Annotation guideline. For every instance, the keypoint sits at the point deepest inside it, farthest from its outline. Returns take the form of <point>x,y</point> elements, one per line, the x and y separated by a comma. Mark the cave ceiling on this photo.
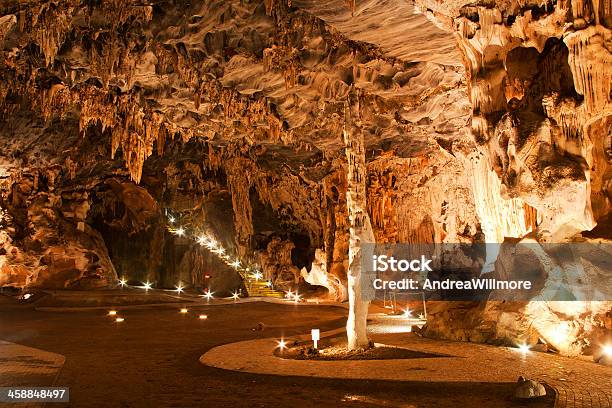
<point>239,75</point>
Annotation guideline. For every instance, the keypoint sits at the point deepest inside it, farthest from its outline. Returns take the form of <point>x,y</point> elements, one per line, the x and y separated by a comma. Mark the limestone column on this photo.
<point>359,220</point>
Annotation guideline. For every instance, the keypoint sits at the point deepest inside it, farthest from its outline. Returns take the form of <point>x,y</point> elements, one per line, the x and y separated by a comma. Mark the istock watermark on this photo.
<point>508,271</point>
<point>383,263</point>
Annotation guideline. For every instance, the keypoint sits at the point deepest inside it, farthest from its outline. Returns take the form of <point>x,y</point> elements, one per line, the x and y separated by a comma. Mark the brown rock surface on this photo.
<point>481,122</point>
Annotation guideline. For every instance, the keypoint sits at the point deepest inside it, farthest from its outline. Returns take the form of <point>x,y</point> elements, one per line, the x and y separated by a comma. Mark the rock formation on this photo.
<point>360,230</point>
<point>540,92</point>
<point>481,121</point>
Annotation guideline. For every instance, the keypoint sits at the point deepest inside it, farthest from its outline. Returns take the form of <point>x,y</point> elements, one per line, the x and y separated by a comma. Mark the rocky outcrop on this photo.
<point>541,111</point>
<point>47,242</point>
<point>541,105</point>
<point>277,266</point>
<point>319,276</point>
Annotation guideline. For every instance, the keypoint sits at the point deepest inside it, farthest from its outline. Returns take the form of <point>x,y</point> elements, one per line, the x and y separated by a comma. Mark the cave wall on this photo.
<point>72,217</point>
<point>539,83</point>
<point>540,94</point>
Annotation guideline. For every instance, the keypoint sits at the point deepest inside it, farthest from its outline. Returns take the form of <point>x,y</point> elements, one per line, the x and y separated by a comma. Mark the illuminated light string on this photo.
<point>209,242</point>
<point>289,295</point>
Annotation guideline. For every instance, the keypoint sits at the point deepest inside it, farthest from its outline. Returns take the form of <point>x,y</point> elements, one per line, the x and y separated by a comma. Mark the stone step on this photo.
<point>256,293</point>
<point>260,288</point>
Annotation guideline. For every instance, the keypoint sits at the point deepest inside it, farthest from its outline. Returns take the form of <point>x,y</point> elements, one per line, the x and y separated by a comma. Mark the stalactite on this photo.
<point>592,11</point>
<point>250,111</point>
<point>567,114</point>
<point>381,202</point>
<point>351,5</point>
<point>285,60</point>
<point>105,64</point>
<point>588,56</point>
<point>56,100</point>
<point>71,167</point>
<point>49,26</point>
<point>277,8</point>
<point>114,53</point>
<point>269,6</point>
<point>133,128</point>
<point>162,135</point>
<point>95,108</point>
<point>499,217</point>
<point>118,12</point>
<point>7,23</point>
<point>239,171</point>
<point>275,126</point>
<point>290,75</point>
<point>215,159</point>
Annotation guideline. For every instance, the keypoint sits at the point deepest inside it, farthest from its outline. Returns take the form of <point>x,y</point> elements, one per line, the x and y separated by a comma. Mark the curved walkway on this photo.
<point>578,382</point>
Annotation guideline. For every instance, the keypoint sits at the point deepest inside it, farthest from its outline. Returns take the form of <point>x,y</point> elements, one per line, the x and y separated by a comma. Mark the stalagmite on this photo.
<point>360,227</point>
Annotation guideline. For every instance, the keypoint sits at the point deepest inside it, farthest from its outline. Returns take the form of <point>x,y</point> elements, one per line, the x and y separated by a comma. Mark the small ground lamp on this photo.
<point>316,336</point>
